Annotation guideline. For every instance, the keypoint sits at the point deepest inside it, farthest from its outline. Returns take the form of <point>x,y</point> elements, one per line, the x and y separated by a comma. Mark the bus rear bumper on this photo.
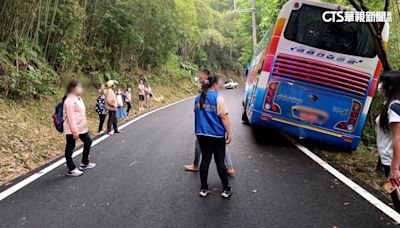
<point>337,139</point>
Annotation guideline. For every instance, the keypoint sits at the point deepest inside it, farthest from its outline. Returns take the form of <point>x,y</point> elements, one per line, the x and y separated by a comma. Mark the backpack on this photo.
<point>58,118</point>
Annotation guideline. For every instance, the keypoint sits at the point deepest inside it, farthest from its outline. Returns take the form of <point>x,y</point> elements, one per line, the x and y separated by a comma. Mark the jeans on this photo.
<point>112,121</point>
<point>197,156</point>
<point>393,195</point>
<point>212,146</point>
<point>69,149</point>
<point>102,120</point>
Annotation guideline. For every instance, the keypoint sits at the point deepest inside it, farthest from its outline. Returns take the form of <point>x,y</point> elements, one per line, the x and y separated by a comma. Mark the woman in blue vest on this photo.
<point>213,131</point>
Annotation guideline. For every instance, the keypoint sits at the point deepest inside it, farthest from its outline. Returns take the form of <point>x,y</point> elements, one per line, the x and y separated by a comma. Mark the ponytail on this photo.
<point>211,80</point>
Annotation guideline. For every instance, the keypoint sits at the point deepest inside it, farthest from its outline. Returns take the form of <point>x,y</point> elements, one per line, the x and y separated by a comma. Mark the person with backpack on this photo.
<point>75,127</point>
<point>101,109</point>
<point>111,106</point>
<point>213,131</point>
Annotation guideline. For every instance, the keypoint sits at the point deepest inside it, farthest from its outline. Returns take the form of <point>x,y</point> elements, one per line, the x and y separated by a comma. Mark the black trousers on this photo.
<point>69,149</point>
<point>102,118</point>
<point>129,107</point>
<point>393,195</point>
<point>212,146</point>
<point>112,121</point>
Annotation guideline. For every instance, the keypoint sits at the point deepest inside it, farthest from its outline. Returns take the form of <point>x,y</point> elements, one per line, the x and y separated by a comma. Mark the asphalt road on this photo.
<point>139,182</point>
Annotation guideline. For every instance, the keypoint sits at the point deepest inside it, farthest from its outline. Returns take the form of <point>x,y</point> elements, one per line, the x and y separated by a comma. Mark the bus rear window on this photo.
<point>306,26</point>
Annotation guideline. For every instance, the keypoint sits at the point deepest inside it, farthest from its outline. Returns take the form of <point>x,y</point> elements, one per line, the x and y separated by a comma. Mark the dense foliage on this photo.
<point>43,40</point>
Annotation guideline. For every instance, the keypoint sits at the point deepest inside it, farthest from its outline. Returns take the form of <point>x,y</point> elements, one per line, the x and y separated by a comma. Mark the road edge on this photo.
<point>386,209</point>
<point>56,163</point>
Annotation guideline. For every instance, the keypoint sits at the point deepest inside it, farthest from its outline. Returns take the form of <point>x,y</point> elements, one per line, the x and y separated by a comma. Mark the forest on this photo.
<point>44,43</point>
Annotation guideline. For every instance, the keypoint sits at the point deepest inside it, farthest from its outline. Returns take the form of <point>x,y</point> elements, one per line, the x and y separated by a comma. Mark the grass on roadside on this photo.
<point>361,163</point>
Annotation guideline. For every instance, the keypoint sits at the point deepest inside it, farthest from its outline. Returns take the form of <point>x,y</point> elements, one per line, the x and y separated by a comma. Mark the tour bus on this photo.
<point>313,79</point>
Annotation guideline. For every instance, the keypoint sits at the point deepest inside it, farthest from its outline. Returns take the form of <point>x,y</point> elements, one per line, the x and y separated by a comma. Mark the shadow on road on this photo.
<point>268,137</point>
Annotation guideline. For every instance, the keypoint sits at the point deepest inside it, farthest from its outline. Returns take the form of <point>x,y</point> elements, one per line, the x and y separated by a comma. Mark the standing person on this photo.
<point>194,167</point>
<point>75,127</point>
<point>149,94</point>
<point>101,109</point>
<point>120,103</point>
<point>213,131</point>
<point>141,94</point>
<point>128,100</point>
<point>388,130</point>
<point>111,106</point>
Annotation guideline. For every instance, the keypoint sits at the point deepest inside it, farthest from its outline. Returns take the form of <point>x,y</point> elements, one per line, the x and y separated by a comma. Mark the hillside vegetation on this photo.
<point>45,43</point>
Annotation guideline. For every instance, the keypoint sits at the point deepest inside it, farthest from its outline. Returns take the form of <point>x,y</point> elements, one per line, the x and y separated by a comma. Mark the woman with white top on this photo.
<point>120,102</point>
<point>388,130</point>
<point>141,94</point>
<point>149,94</point>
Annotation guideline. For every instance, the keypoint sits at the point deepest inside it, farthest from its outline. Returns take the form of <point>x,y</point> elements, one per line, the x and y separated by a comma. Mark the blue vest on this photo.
<point>207,121</point>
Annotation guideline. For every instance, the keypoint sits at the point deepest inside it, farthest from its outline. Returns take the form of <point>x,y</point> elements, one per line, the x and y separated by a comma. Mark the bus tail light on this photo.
<point>296,5</point>
<point>350,124</point>
<point>269,104</point>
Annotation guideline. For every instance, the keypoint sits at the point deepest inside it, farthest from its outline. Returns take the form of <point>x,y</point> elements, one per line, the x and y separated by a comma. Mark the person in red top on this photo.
<point>75,127</point>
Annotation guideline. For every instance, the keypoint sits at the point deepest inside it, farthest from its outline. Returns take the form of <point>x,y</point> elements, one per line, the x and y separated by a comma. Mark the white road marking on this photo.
<point>9,191</point>
<point>351,184</point>
<point>133,163</point>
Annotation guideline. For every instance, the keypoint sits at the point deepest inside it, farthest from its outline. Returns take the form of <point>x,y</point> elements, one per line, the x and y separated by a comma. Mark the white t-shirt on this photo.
<point>384,141</point>
<point>119,100</point>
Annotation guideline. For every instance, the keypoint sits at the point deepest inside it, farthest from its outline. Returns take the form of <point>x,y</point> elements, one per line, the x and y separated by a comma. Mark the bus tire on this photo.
<point>245,119</point>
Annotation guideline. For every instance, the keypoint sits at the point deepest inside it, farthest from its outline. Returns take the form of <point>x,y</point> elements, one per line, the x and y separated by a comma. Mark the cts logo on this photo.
<point>333,16</point>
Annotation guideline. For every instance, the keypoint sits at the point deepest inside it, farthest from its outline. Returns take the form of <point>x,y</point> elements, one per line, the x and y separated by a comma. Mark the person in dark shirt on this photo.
<point>101,109</point>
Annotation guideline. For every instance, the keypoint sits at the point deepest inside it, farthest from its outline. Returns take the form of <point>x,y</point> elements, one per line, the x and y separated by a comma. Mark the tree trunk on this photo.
<point>376,32</point>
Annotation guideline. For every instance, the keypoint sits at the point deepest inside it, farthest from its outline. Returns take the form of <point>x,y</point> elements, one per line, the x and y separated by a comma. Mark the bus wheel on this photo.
<point>244,117</point>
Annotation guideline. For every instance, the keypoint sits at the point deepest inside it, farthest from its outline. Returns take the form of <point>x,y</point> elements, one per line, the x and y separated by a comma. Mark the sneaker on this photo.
<point>74,173</point>
<point>230,171</point>
<point>204,192</point>
<point>191,168</point>
<point>110,133</point>
<point>83,167</point>
<point>226,193</point>
<point>117,132</point>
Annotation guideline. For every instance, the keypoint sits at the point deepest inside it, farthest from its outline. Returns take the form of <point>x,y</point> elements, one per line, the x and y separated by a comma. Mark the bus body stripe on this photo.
<point>374,82</point>
<point>378,69</point>
<point>280,23</point>
<point>367,105</point>
<point>273,44</point>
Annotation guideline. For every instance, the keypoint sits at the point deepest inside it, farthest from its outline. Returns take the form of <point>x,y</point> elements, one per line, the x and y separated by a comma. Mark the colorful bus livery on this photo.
<point>313,79</point>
